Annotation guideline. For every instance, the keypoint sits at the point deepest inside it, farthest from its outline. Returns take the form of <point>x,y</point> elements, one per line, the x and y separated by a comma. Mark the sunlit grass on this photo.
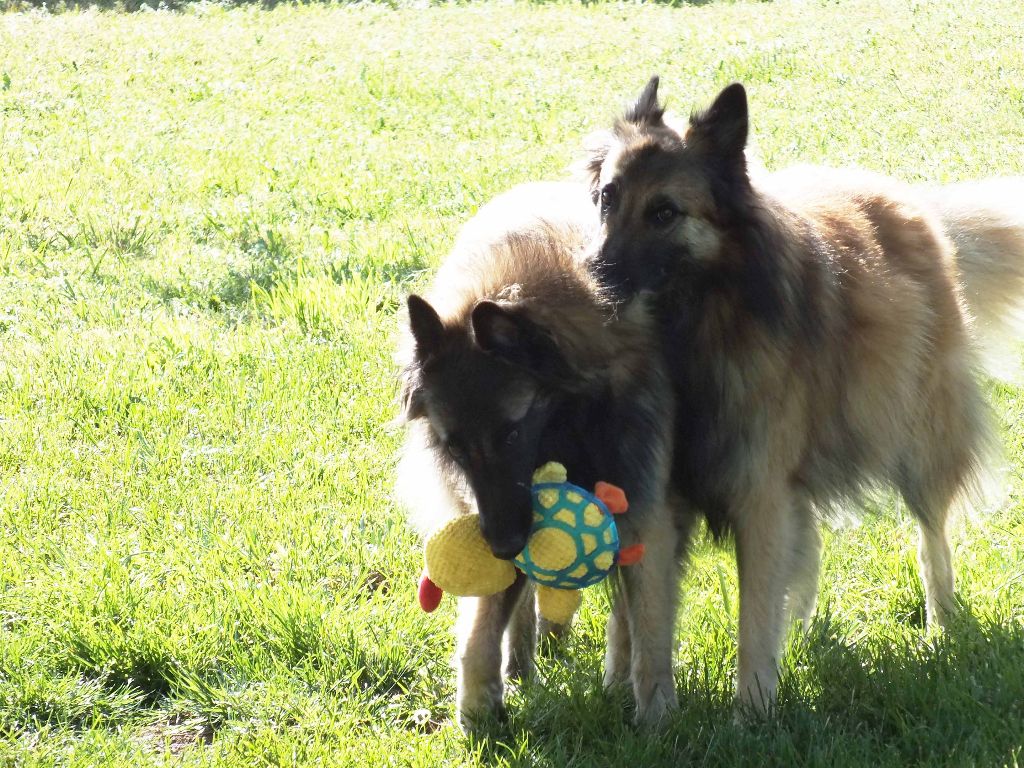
<point>207,223</point>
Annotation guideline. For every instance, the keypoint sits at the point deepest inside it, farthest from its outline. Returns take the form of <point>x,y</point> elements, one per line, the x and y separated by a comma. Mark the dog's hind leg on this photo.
<point>479,630</point>
<point>929,503</point>
<point>946,452</point>
<point>930,506</point>
<point>936,563</point>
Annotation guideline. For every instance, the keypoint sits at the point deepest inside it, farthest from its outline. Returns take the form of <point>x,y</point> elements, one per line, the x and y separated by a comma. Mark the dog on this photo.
<point>818,329</point>
<point>513,359</point>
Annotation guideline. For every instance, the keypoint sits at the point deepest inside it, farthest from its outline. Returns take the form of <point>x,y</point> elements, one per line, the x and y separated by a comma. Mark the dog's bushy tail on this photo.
<point>985,221</point>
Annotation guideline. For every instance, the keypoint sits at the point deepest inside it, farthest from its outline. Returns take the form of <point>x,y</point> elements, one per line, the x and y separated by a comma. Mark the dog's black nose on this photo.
<point>507,550</point>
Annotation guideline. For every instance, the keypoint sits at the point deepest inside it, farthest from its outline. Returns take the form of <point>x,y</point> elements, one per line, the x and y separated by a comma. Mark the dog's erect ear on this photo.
<point>428,332</point>
<point>410,393</point>
<point>722,128</point>
<point>646,110</point>
<point>508,333</point>
<point>497,329</point>
<point>597,146</point>
<point>426,326</point>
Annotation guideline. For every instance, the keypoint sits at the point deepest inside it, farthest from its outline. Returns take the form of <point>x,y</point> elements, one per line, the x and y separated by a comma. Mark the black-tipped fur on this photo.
<point>516,361</point>
<point>814,327</point>
<point>723,126</point>
<point>647,110</point>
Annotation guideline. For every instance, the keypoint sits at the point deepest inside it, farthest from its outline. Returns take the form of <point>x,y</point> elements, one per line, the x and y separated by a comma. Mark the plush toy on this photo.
<point>573,544</point>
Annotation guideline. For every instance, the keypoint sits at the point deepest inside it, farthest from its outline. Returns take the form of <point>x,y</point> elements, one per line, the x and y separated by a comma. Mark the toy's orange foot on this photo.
<point>612,496</point>
<point>429,594</point>
<point>631,555</point>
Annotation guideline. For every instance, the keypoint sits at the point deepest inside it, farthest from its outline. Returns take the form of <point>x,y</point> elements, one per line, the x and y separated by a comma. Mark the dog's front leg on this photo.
<point>650,591</point>
<point>617,656</point>
<point>618,651</point>
<point>521,638</point>
<point>764,551</point>
<point>481,624</point>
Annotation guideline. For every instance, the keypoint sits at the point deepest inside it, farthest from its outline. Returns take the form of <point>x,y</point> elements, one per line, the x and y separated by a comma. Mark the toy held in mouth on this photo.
<point>573,544</point>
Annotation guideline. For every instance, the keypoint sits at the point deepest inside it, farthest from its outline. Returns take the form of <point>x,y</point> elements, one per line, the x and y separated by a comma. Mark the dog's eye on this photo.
<point>511,437</point>
<point>458,455</point>
<point>664,214</point>
<point>609,197</point>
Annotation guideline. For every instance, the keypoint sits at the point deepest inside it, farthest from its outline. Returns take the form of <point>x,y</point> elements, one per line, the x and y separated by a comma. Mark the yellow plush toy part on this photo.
<point>573,544</point>
<point>460,562</point>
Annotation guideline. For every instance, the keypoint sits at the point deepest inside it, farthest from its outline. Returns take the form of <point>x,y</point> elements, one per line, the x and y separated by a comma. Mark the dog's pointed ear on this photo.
<point>597,146</point>
<point>496,328</point>
<point>426,326</point>
<point>722,128</point>
<point>427,333</point>
<point>507,332</point>
<point>410,393</point>
<point>647,110</point>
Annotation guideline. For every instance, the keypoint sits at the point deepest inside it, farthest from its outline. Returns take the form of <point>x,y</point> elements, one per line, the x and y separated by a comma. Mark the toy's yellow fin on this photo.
<point>557,605</point>
<point>552,472</point>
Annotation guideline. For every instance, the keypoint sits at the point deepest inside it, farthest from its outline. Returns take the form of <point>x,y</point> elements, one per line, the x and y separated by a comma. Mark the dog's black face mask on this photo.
<point>667,200</point>
<point>485,390</point>
<point>627,263</point>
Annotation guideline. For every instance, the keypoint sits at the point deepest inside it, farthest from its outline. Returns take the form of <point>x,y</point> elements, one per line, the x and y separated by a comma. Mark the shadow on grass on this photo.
<point>955,698</point>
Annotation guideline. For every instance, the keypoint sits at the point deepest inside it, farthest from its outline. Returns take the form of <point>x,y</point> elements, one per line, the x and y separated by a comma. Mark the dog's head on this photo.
<point>487,389</point>
<point>669,199</point>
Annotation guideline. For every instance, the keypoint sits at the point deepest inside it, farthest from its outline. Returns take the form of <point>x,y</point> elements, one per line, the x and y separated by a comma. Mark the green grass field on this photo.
<point>208,221</point>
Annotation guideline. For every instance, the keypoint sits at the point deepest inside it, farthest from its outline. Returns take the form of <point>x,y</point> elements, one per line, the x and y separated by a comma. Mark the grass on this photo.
<point>208,220</point>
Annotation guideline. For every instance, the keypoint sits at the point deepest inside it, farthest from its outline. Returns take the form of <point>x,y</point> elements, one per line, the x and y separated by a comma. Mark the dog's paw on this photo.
<point>478,706</point>
<point>655,704</point>
<point>477,723</point>
<point>519,667</point>
<point>519,670</point>
<point>618,666</point>
<point>616,669</point>
<point>752,706</point>
<point>616,679</point>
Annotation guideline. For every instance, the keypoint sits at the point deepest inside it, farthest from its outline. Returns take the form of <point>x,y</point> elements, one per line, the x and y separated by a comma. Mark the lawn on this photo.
<point>208,222</point>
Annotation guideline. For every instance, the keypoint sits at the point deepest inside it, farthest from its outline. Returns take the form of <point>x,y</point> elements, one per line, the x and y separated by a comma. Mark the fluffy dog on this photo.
<point>816,332</point>
<point>513,360</point>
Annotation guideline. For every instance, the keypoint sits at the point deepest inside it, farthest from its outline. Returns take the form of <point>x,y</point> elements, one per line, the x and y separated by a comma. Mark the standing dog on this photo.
<point>814,326</point>
<point>511,361</point>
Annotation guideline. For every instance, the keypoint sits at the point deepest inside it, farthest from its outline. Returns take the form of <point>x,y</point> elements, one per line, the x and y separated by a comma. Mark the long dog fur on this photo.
<point>815,327</point>
<point>511,360</point>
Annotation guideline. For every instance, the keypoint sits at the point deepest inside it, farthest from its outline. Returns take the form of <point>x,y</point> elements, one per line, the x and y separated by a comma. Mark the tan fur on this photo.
<point>508,239</point>
<point>985,220</point>
<point>523,250</point>
<point>819,341</point>
<point>856,370</point>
